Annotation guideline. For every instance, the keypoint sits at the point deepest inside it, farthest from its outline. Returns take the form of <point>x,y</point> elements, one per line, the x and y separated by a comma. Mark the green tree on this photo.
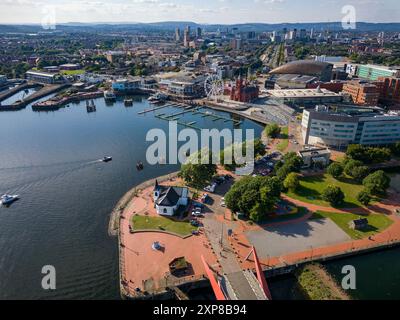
<point>335,170</point>
<point>378,155</point>
<point>368,154</point>
<point>291,162</point>
<point>364,197</point>
<point>359,173</point>
<point>292,182</point>
<point>356,152</point>
<point>273,130</point>
<point>377,183</point>
<point>256,213</point>
<point>283,172</point>
<point>197,174</point>
<point>253,196</point>
<point>334,195</point>
<point>350,165</point>
<point>395,148</point>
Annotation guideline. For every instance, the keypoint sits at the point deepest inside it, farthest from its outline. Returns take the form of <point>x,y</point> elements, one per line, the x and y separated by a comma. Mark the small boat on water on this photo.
<point>110,95</point>
<point>7,199</point>
<point>90,107</point>
<point>107,159</point>
<point>128,102</point>
<point>140,166</point>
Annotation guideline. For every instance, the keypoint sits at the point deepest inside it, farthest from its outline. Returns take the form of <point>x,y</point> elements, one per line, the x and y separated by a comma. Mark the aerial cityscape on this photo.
<point>201,151</point>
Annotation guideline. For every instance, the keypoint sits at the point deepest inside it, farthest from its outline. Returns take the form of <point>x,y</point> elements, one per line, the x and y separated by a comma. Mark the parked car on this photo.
<point>197,212</point>
<point>211,188</point>
<point>198,205</point>
<point>223,204</point>
<point>195,223</point>
<point>204,198</point>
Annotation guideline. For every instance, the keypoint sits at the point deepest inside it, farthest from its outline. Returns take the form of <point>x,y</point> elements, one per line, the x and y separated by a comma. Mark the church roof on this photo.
<point>169,198</point>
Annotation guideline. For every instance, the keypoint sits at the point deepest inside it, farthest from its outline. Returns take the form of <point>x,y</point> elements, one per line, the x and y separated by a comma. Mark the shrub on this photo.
<point>292,182</point>
<point>273,130</point>
<point>364,197</point>
<point>334,195</point>
<point>359,173</point>
<point>350,165</point>
<point>377,183</point>
<point>335,170</point>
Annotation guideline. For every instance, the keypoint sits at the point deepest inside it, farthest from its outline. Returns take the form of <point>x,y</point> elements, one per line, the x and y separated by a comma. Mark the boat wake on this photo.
<point>52,172</point>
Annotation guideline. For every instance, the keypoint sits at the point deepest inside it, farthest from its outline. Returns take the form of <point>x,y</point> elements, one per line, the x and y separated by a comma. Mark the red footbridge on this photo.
<point>241,285</point>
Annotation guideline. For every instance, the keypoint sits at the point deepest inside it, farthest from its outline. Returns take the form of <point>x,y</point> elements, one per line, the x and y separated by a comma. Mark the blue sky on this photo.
<point>201,11</point>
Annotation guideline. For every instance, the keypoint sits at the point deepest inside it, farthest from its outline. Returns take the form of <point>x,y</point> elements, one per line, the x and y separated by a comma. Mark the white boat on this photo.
<point>7,199</point>
<point>128,102</point>
<point>109,95</point>
<point>158,98</point>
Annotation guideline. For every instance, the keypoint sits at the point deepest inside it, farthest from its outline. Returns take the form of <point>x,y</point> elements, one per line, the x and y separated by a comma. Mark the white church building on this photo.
<point>167,200</point>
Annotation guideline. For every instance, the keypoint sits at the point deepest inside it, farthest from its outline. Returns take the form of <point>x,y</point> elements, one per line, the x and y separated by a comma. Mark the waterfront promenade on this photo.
<point>296,242</point>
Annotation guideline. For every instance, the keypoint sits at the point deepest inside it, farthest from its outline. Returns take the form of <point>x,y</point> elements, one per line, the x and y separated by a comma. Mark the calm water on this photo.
<point>18,96</point>
<point>378,274</point>
<point>50,159</point>
<point>377,277</point>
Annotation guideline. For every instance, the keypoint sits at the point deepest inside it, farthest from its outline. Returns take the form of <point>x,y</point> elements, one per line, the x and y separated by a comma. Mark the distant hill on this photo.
<point>171,25</point>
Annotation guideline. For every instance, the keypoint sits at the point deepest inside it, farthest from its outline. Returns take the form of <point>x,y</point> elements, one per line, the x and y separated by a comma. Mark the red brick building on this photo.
<point>362,93</point>
<point>243,91</point>
<point>334,86</point>
<point>390,91</point>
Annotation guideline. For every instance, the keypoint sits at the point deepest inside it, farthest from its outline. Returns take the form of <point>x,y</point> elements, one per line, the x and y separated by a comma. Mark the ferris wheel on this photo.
<point>214,86</point>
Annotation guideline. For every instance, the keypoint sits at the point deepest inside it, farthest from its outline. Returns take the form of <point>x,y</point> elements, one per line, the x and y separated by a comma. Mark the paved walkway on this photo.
<point>231,268</point>
<point>241,243</point>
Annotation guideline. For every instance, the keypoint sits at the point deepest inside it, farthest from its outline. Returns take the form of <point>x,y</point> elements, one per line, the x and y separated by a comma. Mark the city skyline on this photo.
<point>205,12</point>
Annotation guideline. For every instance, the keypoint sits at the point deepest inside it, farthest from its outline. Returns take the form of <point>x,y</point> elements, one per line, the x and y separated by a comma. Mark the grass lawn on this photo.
<point>72,72</point>
<point>377,223</point>
<point>284,144</point>
<point>311,189</point>
<point>162,223</point>
<point>317,284</point>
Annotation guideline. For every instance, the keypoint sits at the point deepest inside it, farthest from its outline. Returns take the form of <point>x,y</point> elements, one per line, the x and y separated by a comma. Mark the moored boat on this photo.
<point>128,102</point>
<point>110,95</point>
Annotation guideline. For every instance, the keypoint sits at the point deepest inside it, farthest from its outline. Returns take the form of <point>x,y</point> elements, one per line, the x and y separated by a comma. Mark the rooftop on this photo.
<point>303,67</point>
<point>315,152</point>
<point>355,111</point>
<point>301,93</point>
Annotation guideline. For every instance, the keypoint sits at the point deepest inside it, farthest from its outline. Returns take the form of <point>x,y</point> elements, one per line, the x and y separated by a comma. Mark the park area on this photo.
<point>284,143</point>
<point>143,223</point>
<point>377,223</point>
<point>312,187</point>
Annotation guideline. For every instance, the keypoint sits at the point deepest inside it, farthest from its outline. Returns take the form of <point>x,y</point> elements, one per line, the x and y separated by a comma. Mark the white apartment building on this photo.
<point>339,126</point>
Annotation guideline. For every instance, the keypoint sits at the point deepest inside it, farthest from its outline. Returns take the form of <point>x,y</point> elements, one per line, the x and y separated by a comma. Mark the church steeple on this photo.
<point>156,186</point>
